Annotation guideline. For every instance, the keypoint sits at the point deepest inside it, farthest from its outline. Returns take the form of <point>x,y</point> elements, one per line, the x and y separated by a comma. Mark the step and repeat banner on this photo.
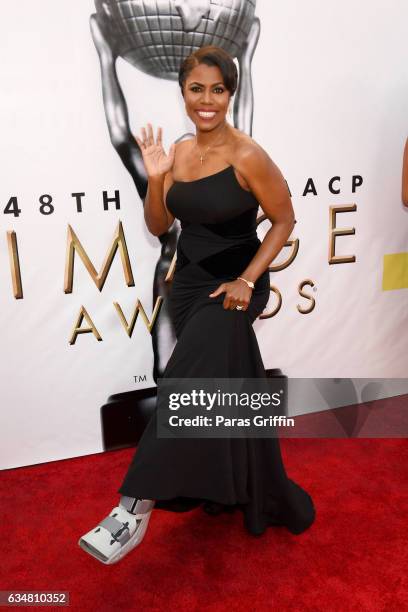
<point>83,284</point>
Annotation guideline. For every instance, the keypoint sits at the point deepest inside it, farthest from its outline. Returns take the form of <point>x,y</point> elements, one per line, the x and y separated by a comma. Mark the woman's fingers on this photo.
<point>147,137</point>
<point>233,306</point>
<point>150,137</point>
<point>159,136</point>
<point>219,290</point>
<point>231,302</point>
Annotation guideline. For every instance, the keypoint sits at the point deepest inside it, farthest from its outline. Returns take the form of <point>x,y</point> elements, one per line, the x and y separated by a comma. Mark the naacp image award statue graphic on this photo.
<point>155,36</point>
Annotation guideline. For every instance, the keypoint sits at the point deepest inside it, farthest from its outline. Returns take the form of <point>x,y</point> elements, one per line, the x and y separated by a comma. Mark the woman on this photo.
<point>214,184</point>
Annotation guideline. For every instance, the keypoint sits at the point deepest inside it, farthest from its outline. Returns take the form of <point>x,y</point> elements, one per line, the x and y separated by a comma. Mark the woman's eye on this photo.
<point>196,88</point>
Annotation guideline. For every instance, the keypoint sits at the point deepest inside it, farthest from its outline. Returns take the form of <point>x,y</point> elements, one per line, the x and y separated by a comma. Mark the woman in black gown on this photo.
<point>214,184</point>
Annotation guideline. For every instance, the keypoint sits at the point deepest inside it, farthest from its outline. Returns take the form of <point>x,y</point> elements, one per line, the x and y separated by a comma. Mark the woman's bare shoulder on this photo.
<point>185,144</point>
<point>248,155</point>
<point>245,147</point>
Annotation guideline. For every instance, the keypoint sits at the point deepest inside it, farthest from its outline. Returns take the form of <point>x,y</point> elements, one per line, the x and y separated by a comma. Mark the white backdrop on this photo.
<point>331,99</point>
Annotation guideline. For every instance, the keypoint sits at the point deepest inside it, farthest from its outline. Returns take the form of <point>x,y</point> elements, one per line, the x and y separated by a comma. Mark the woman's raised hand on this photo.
<point>154,157</point>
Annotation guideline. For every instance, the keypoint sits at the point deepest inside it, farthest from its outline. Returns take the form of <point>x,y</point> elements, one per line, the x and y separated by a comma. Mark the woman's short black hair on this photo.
<point>211,56</point>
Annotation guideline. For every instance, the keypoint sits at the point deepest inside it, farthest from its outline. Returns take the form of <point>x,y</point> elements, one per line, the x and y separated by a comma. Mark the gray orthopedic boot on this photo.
<point>136,506</point>
<point>120,532</point>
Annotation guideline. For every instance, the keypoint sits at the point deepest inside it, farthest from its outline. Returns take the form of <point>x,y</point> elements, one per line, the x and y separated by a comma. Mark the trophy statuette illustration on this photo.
<point>155,36</point>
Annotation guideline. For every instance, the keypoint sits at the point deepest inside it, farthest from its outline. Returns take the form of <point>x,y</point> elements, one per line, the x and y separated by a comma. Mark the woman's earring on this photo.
<point>230,111</point>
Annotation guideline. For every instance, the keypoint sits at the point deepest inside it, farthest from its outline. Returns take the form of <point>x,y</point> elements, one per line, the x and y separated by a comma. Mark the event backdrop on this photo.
<point>330,93</point>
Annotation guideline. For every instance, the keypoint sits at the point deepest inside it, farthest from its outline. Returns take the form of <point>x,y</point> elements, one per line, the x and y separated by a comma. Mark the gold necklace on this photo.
<point>202,157</point>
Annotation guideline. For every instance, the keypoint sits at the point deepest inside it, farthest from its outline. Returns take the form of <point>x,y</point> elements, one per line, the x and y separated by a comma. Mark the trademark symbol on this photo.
<point>140,378</point>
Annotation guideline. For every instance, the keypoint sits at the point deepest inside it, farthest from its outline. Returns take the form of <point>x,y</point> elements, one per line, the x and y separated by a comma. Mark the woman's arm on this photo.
<point>157,216</point>
<point>158,167</point>
<point>405,175</point>
<point>270,189</point>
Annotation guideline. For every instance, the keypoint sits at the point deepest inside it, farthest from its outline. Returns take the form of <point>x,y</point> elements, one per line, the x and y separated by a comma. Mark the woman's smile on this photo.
<point>206,115</point>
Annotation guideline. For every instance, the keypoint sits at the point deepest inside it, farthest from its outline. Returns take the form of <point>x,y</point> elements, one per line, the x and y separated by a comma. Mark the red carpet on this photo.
<point>354,557</point>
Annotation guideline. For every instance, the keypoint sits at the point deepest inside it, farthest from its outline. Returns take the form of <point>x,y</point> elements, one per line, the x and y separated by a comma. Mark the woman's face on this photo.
<point>206,97</point>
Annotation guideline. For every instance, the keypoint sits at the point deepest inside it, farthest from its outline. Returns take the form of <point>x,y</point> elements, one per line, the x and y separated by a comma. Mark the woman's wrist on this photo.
<point>250,283</point>
<point>156,178</point>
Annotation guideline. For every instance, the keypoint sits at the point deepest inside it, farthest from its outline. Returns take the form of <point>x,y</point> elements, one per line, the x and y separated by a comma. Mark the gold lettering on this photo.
<point>272,313</point>
<point>73,244</point>
<point>302,284</point>
<point>14,264</point>
<point>333,233</point>
<point>83,330</point>
<point>170,271</point>
<point>139,308</point>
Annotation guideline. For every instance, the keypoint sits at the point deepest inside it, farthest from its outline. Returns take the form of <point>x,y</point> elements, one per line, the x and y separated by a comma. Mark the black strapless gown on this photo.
<point>217,240</point>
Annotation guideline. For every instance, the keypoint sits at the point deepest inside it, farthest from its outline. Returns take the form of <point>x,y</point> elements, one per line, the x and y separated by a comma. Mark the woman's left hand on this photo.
<point>237,293</point>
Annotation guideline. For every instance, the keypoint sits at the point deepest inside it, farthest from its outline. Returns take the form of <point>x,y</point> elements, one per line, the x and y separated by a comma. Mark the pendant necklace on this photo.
<point>202,156</point>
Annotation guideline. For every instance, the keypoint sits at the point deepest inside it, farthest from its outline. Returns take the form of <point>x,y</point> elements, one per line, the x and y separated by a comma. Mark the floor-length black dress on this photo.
<point>217,240</point>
